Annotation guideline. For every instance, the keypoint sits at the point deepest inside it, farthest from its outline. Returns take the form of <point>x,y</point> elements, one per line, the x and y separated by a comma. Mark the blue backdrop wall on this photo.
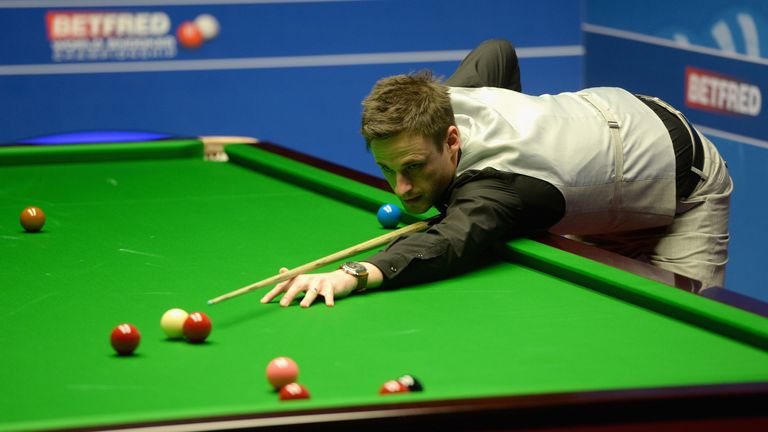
<point>293,72</point>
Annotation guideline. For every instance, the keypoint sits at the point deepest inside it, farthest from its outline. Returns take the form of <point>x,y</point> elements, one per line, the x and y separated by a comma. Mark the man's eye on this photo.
<point>386,170</point>
<point>414,167</point>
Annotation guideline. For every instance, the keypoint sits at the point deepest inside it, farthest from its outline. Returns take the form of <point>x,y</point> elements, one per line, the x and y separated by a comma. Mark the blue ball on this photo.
<point>389,215</point>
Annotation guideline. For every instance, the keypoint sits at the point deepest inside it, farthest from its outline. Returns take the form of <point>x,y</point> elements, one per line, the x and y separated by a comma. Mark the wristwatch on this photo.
<point>359,272</point>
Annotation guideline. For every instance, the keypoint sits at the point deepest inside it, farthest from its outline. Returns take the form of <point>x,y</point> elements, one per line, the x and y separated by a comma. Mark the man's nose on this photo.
<point>403,185</point>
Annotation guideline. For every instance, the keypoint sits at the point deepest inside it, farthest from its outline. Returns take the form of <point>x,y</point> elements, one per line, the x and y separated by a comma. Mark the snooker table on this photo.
<point>541,339</point>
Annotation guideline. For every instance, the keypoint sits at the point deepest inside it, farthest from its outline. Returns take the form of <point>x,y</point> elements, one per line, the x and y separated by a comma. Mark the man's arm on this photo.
<point>478,213</point>
<point>483,208</point>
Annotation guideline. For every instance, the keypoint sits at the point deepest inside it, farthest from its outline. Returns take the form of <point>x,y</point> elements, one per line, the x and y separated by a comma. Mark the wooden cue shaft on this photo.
<point>362,247</point>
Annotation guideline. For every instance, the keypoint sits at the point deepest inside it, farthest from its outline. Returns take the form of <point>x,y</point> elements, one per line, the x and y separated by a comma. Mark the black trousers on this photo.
<point>492,64</point>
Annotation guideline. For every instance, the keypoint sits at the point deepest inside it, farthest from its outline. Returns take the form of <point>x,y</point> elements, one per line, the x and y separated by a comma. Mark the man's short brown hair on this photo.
<point>416,103</point>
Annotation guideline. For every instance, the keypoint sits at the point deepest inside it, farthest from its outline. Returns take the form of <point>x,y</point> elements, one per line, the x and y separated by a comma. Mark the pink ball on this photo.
<point>281,372</point>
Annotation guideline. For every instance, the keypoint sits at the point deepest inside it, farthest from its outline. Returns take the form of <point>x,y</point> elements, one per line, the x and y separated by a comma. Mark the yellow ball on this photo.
<point>172,322</point>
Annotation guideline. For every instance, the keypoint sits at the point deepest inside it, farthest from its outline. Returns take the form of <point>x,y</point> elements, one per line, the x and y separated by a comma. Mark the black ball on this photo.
<point>411,382</point>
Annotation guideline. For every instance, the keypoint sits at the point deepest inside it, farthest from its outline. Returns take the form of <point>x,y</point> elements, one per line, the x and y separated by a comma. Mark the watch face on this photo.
<point>356,267</point>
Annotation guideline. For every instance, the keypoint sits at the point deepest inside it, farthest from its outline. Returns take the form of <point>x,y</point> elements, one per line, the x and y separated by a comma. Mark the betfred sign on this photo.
<point>110,36</point>
<point>96,25</point>
<point>715,92</point>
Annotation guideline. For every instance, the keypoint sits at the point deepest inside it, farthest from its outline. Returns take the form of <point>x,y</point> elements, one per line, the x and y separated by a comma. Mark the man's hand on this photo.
<point>332,285</point>
<point>336,284</point>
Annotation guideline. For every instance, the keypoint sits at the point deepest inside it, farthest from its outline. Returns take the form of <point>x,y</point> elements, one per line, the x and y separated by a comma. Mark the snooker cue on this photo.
<point>353,250</point>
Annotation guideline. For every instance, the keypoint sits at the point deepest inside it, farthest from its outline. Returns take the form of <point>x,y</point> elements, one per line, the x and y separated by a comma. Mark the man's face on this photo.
<point>415,169</point>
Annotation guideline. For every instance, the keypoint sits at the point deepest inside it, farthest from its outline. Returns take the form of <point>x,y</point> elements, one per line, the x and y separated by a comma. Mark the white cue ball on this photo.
<point>208,25</point>
<point>172,322</point>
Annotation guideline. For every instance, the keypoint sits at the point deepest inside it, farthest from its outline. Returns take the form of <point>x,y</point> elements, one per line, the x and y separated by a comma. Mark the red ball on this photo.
<point>197,327</point>
<point>294,391</point>
<point>189,35</point>
<point>32,219</point>
<point>125,338</point>
<point>393,386</point>
<point>282,371</point>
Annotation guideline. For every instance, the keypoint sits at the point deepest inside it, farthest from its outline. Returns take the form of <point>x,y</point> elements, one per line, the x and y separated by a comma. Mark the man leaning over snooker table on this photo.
<point>499,164</point>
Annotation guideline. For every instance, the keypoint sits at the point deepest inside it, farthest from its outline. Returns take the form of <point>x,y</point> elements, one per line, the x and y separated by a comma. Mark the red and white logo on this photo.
<point>719,93</point>
<point>104,25</point>
<point>109,35</point>
<point>192,34</point>
<point>96,35</point>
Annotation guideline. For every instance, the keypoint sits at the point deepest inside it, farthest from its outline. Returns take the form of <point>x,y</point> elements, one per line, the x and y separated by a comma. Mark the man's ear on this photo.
<point>453,141</point>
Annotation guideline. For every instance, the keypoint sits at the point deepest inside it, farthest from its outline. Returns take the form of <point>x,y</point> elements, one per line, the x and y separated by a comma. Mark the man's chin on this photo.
<point>416,207</point>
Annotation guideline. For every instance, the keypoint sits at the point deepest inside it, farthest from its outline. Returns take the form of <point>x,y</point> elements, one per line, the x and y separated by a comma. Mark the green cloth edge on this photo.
<point>73,153</point>
<point>718,317</point>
